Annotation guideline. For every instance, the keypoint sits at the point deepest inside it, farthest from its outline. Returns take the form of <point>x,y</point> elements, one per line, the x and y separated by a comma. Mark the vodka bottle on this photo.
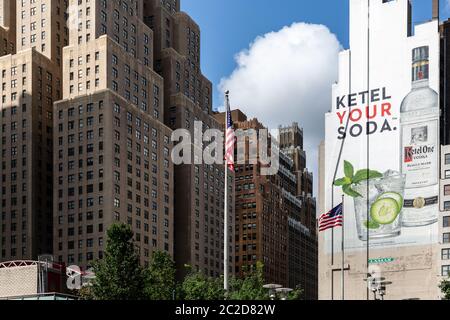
<point>419,145</point>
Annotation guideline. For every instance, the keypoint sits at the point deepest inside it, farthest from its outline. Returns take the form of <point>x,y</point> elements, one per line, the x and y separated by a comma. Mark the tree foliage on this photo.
<point>297,294</point>
<point>250,287</point>
<point>119,275</point>
<point>85,293</point>
<point>445,288</point>
<point>197,286</point>
<point>160,282</point>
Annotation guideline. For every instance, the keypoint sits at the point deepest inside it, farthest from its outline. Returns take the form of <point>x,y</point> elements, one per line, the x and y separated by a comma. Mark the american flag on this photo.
<point>331,219</point>
<point>229,138</point>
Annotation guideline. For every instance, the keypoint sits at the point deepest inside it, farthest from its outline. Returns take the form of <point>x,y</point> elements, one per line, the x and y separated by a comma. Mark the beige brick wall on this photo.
<point>18,281</point>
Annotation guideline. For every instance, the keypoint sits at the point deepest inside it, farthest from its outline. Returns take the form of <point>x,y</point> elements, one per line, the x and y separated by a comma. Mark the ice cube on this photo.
<point>391,173</point>
<point>368,189</point>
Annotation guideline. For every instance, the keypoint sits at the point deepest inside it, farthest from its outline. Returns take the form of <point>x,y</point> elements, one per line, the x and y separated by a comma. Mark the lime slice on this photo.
<point>393,195</point>
<point>384,211</point>
<point>371,224</point>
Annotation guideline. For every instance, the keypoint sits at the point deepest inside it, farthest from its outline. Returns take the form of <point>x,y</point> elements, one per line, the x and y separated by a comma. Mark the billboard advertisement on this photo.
<point>382,133</point>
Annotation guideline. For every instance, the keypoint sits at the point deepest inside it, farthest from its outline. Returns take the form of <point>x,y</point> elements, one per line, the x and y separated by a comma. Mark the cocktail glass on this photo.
<point>379,209</point>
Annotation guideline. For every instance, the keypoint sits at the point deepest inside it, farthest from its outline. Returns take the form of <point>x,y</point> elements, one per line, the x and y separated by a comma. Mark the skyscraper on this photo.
<point>303,240</point>
<point>7,27</point>
<point>112,150</point>
<point>275,222</point>
<point>199,188</point>
<point>31,82</point>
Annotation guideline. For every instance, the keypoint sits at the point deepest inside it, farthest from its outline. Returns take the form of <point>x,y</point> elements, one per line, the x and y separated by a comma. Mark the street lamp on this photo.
<point>382,288</point>
<point>284,292</point>
<point>373,284</point>
<point>377,285</point>
<point>272,290</point>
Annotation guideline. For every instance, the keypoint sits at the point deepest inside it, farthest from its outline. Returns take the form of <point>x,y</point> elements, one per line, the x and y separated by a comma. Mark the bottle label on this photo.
<point>420,202</point>
<point>420,154</point>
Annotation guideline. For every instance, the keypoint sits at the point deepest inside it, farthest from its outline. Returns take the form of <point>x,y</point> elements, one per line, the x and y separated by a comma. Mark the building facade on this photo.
<point>444,30</point>
<point>7,27</point>
<point>275,223</point>
<point>444,223</point>
<point>199,188</point>
<point>31,278</point>
<point>112,149</point>
<point>31,82</point>
<point>413,250</point>
<point>91,92</point>
<point>303,241</point>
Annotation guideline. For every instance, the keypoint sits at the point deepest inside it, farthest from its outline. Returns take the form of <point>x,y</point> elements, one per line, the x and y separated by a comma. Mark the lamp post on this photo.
<point>272,290</point>
<point>372,284</point>
<point>283,292</point>
<point>382,288</point>
<point>377,285</point>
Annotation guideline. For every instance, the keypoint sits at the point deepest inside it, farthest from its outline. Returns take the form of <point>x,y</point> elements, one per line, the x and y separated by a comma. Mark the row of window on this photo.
<point>33,10</point>
<point>13,252</point>
<point>88,243</point>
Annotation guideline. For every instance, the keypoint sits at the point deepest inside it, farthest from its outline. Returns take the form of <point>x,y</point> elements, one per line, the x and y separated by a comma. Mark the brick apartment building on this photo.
<point>275,215</point>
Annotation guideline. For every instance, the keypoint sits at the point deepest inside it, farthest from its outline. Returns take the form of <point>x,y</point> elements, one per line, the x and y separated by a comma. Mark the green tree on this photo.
<point>297,294</point>
<point>250,287</point>
<point>445,288</point>
<point>119,276</point>
<point>197,286</point>
<point>160,283</point>
<point>85,293</point>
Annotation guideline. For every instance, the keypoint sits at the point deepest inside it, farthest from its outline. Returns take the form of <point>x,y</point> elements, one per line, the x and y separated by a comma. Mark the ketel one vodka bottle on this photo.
<point>419,143</point>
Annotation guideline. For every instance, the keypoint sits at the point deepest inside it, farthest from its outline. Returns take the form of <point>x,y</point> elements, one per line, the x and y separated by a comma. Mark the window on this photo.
<point>446,238</point>
<point>446,222</point>
<point>445,254</point>
<point>447,174</point>
<point>447,205</point>
<point>445,271</point>
<point>447,158</point>
<point>447,190</point>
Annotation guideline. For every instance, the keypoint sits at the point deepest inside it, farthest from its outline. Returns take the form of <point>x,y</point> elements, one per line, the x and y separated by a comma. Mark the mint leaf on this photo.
<point>374,174</point>
<point>361,175</point>
<point>342,182</point>
<point>365,174</point>
<point>348,170</point>
<point>350,192</point>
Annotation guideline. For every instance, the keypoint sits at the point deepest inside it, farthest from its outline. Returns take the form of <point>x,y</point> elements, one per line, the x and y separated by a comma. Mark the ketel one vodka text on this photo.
<point>419,143</point>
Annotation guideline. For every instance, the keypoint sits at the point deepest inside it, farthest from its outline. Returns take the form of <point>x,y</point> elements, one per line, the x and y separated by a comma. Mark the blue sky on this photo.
<point>230,26</point>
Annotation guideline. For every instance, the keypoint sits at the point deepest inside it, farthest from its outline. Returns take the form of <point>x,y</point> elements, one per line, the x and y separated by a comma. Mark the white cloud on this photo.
<point>286,76</point>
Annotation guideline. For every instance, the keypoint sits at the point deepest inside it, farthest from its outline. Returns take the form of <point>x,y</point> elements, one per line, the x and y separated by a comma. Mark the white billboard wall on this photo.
<point>389,93</point>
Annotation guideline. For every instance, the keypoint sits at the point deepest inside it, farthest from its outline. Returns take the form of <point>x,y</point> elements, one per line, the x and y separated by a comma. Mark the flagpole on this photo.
<point>342,249</point>
<point>225,209</point>
<point>225,232</point>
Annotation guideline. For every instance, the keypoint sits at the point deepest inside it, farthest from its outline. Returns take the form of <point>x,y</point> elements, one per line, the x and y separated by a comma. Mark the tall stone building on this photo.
<point>7,27</point>
<point>199,189</point>
<point>275,224</point>
<point>112,149</point>
<point>303,239</point>
<point>31,82</point>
